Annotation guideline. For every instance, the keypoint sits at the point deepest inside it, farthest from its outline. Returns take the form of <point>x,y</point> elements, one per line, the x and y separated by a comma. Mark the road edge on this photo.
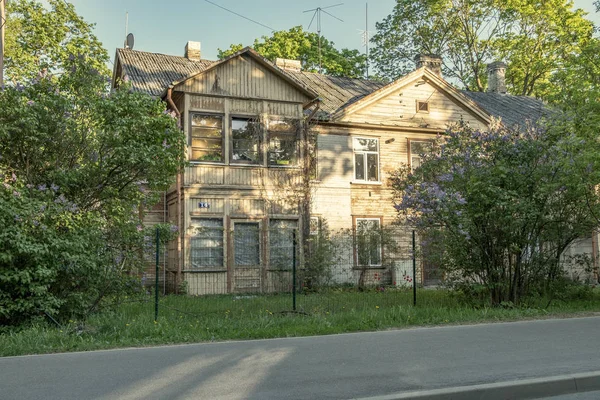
<point>518,389</point>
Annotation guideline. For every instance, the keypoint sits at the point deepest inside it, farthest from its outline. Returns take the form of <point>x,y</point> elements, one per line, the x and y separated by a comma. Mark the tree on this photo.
<point>500,207</point>
<point>296,44</point>
<point>532,37</point>
<point>78,166</point>
<point>40,37</point>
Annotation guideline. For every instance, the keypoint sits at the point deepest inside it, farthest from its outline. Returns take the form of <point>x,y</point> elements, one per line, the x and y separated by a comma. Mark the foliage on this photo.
<point>296,44</point>
<point>78,167</point>
<point>46,38</point>
<point>501,206</point>
<point>532,37</point>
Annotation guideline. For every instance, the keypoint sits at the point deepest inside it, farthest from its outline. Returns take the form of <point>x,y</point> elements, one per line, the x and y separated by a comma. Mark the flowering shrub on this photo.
<point>77,165</point>
<point>498,208</point>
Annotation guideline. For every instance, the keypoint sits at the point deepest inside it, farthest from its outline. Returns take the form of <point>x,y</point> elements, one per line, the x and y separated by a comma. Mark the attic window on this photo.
<point>422,106</point>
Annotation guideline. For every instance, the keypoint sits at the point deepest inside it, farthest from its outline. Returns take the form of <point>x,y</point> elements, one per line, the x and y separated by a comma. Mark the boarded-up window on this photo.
<point>283,143</point>
<point>207,243</point>
<point>245,136</point>
<point>366,159</point>
<point>207,138</point>
<point>282,234</point>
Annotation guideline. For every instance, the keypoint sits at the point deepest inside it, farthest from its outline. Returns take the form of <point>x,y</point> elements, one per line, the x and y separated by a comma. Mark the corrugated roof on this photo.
<point>153,73</point>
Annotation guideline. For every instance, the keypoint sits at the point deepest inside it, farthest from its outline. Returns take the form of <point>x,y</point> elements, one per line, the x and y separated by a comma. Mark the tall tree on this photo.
<point>47,37</point>
<point>531,36</point>
<point>296,44</point>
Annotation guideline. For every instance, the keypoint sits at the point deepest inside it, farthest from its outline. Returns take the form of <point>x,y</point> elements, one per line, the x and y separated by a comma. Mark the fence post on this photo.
<point>414,260</point>
<point>294,270</point>
<point>156,276</point>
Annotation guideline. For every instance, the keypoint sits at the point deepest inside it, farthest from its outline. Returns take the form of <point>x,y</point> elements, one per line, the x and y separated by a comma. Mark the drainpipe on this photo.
<point>173,107</point>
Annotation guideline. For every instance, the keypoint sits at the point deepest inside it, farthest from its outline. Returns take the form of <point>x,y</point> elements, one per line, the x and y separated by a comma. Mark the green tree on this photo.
<point>40,37</point>
<point>296,44</point>
<point>78,166</point>
<point>531,36</point>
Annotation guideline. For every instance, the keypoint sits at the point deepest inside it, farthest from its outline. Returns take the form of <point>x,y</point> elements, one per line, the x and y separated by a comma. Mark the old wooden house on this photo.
<point>245,120</point>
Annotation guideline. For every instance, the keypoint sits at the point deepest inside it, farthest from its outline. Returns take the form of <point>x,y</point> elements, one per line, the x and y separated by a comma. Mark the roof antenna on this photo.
<point>365,37</point>
<point>317,13</point>
<point>126,28</point>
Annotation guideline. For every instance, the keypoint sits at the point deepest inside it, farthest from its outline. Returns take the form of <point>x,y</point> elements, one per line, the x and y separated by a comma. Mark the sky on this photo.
<point>165,27</point>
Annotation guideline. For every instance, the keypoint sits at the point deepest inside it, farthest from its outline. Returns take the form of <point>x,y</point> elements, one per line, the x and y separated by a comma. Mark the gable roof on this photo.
<point>511,110</point>
<point>153,73</point>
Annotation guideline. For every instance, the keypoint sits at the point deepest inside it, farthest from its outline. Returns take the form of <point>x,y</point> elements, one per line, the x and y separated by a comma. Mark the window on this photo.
<point>207,243</point>
<point>282,234</point>
<point>315,225</point>
<point>207,138</point>
<point>366,159</point>
<point>422,106</point>
<point>245,137</point>
<point>283,143</point>
<point>368,241</point>
<point>246,244</point>
<point>416,150</point>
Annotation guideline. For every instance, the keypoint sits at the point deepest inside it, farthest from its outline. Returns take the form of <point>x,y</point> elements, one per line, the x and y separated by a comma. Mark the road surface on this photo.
<point>326,367</point>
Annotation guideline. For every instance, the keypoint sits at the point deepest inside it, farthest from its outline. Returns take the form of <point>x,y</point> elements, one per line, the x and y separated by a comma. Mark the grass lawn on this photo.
<point>184,319</point>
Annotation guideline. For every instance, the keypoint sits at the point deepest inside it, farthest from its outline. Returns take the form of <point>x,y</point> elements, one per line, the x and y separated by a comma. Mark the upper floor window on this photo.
<point>366,159</point>
<point>245,141</point>
<point>416,149</point>
<point>207,138</point>
<point>283,143</point>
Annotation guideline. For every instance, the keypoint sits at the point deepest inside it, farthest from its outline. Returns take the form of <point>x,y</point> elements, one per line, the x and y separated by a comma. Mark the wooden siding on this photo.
<point>217,104</point>
<point>400,109</point>
<point>215,205</point>
<point>243,77</point>
<point>335,160</point>
<point>240,177</point>
<point>247,207</point>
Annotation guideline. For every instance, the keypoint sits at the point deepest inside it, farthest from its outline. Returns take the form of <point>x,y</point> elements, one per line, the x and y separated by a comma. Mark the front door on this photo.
<point>246,258</point>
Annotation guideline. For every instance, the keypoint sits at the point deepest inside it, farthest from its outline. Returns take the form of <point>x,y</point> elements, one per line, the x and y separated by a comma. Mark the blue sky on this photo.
<point>165,27</point>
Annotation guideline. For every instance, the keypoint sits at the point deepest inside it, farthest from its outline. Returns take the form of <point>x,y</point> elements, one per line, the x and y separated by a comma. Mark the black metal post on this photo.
<point>414,260</point>
<point>156,276</point>
<point>294,270</point>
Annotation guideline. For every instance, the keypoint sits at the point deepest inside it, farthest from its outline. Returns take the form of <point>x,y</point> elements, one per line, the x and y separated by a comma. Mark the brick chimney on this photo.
<point>289,65</point>
<point>431,61</point>
<point>496,80</point>
<point>192,51</point>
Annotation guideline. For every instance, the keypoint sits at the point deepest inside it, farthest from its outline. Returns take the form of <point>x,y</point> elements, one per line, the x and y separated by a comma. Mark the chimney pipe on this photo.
<point>289,65</point>
<point>192,51</point>
<point>496,79</point>
<point>432,61</point>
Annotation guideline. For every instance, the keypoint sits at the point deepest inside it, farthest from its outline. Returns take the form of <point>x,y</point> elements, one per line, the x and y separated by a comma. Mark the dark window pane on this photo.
<point>372,167</point>
<point>359,167</point>
<point>283,149</point>
<point>245,141</point>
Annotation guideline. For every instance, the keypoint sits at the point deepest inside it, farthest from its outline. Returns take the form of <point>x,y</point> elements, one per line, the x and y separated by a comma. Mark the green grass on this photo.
<point>184,319</point>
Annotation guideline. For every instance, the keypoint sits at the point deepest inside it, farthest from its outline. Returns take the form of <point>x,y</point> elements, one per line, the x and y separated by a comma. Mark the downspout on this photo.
<point>174,108</point>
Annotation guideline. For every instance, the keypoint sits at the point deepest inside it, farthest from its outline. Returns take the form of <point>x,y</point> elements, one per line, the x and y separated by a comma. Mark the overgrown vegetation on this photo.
<point>217,318</point>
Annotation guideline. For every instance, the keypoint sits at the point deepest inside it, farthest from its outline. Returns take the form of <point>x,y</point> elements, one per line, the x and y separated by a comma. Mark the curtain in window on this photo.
<point>207,243</point>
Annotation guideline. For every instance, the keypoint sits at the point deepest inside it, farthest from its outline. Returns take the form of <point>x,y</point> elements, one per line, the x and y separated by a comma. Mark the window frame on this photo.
<point>209,268</point>
<point>410,152</point>
<point>260,152</point>
<point>365,161</point>
<point>295,133</point>
<point>418,108</point>
<point>191,137</point>
<point>259,222</point>
<point>379,220</point>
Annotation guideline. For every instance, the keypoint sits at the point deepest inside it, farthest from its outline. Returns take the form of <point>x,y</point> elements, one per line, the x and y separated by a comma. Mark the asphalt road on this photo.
<point>325,367</point>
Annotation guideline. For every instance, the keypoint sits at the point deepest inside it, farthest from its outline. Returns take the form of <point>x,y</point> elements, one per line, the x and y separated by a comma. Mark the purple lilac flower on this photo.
<point>54,187</point>
<point>42,187</point>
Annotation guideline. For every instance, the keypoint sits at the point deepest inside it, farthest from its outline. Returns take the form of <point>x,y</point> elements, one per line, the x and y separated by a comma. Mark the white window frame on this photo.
<point>365,161</point>
<point>356,249</point>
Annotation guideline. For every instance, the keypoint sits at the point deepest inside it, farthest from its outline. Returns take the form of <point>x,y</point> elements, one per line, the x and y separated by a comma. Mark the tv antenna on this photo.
<point>365,37</point>
<point>317,14</point>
